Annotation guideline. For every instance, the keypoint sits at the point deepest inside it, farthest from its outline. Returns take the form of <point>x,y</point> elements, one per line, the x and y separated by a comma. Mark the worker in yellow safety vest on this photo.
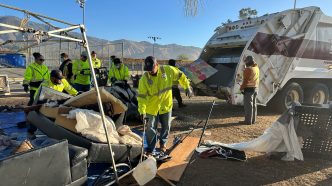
<point>95,61</point>
<point>34,75</point>
<point>155,100</point>
<point>118,71</point>
<point>82,73</point>
<point>249,89</point>
<point>59,83</point>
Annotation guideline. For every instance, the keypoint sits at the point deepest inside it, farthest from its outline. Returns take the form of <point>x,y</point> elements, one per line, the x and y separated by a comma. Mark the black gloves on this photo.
<point>113,79</point>
<point>26,88</point>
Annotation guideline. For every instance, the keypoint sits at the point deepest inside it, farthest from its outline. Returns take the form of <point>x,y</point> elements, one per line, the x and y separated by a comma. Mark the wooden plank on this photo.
<point>173,169</point>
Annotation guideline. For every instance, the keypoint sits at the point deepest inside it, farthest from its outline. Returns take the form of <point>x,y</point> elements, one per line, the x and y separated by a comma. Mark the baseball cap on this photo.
<point>117,61</point>
<point>84,53</point>
<point>149,62</point>
<point>56,74</point>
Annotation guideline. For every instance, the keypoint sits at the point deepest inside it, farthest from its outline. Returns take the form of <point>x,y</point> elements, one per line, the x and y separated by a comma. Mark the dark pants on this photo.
<point>32,96</point>
<point>151,130</point>
<point>81,88</point>
<point>176,93</point>
<point>250,105</point>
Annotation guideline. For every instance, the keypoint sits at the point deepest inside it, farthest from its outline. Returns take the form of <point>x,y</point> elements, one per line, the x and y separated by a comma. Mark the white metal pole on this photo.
<point>100,104</point>
<point>294,4</point>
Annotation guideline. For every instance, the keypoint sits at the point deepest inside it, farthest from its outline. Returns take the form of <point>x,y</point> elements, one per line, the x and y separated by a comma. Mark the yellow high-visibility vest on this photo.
<point>96,63</point>
<point>155,92</point>
<point>80,66</point>
<point>35,74</point>
<point>60,87</point>
<point>119,74</point>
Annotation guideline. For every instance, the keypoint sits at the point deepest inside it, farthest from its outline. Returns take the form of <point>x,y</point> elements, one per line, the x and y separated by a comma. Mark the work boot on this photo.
<point>163,149</point>
<point>148,154</point>
<point>182,105</point>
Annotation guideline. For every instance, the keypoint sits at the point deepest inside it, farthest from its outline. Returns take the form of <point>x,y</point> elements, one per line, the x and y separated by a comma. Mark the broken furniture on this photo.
<point>315,129</point>
<point>98,152</point>
<point>4,85</point>
<point>53,164</point>
<point>181,155</point>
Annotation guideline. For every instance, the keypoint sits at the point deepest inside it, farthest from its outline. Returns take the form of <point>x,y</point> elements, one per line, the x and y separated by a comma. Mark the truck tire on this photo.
<point>290,93</point>
<point>318,94</point>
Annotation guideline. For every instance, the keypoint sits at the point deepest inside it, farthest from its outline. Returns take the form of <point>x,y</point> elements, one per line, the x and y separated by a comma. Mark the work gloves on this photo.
<point>189,92</point>
<point>26,88</point>
<point>113,79</point>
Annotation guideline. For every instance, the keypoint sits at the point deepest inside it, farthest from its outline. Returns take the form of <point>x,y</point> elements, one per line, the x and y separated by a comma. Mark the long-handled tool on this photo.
<point>177,140</point>
<point>206,122</point>
<point>145,121</point>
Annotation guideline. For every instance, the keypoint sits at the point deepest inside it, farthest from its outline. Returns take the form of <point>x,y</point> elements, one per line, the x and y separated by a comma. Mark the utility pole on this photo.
<point>82,5</point>
<point>294,4</point>
<point>154,38</point>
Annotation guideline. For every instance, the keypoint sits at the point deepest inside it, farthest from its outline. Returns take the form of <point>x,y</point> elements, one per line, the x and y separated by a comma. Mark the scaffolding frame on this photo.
<point>60,33</point>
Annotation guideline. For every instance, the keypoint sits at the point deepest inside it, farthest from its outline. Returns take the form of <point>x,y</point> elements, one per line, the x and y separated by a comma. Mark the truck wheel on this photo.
<point>319,94</point>
<point>293,92</point>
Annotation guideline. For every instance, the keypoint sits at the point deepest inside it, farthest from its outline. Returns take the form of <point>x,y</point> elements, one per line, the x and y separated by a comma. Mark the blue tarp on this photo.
<point>13,60</point>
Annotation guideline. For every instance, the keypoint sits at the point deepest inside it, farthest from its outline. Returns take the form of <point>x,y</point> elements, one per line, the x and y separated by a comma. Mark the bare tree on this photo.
<point>191,7</point>
<point>247,12</point>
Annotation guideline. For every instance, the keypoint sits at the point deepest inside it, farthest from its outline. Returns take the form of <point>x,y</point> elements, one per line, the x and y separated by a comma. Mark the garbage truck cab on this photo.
<point>293,50</point>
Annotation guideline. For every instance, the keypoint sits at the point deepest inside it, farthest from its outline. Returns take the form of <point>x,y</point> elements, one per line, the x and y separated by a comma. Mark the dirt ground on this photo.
<point>223,126</point>
<point>258,169</point>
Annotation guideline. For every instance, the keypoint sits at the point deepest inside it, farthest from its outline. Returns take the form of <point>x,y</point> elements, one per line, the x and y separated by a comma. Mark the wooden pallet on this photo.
<point>181,155</point>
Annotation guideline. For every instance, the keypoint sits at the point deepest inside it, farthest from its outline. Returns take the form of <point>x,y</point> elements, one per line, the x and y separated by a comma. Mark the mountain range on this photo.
<point>131,49</point>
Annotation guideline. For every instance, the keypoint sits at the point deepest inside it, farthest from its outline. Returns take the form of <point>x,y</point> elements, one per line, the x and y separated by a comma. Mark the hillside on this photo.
<point>132,49</point>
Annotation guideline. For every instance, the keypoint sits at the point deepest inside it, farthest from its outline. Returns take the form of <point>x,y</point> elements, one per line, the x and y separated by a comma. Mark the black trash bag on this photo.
<point>122,91</point>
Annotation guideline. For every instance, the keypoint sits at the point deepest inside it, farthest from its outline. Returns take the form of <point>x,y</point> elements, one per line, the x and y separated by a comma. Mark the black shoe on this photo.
<point>244,123</point>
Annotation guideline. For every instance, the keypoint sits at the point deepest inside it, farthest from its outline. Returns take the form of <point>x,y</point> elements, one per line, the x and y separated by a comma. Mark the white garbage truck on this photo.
<point>293,50</point>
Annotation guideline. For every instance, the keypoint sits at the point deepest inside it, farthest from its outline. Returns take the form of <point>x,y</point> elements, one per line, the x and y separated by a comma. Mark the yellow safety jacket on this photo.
<point>119,74</point>
<point>96,63</point>
<point>35,74</point>
<point>82,73</point>
<point>155,92</point>
<point>60,87</point>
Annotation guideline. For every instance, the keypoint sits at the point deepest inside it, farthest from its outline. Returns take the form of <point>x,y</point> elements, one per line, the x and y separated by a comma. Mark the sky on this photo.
<point>138,19</point>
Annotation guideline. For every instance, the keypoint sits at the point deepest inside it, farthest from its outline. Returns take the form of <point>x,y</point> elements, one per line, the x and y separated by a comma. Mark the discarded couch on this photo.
<point>98,152</point>
<point>57,125</point>
<point>53,164</point>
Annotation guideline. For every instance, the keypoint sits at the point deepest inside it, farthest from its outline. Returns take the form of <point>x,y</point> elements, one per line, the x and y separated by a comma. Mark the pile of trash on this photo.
<point>80,115</point>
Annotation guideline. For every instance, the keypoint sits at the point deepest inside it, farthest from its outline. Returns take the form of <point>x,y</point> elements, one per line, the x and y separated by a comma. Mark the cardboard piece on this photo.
<point>50,112</point>
<point>63,121</point>
<point>90,97</point>
<point>181,155</point>
<point>198,71</point>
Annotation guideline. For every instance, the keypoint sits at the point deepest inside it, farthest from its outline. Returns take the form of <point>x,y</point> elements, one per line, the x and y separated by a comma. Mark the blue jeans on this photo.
<point>81,88</point>
<point>151,130</point>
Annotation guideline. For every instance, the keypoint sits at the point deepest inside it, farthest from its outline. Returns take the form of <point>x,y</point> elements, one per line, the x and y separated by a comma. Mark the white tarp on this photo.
<point>89,124</point>
<point>280,137</point>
